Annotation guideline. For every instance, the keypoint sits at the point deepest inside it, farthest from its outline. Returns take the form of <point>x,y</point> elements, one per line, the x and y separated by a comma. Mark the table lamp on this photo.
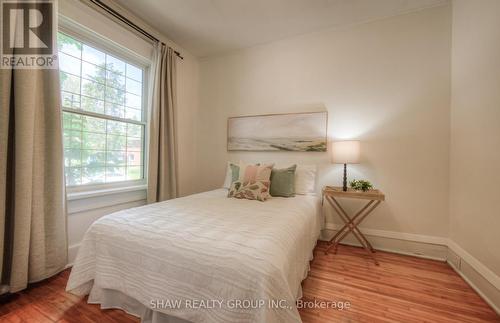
<point>345,152</point>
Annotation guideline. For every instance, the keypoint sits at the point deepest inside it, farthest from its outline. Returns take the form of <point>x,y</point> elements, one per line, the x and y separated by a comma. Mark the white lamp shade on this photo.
<point>345,152</point>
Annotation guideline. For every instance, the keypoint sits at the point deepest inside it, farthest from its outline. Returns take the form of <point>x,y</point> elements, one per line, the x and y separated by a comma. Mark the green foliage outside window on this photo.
<point>100,149</point>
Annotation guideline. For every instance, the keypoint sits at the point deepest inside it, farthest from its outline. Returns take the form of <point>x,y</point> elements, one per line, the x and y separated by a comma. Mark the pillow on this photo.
<point>232,172</point>
<point>253,190</point>
<point>229,174</point>
<point>235,172</point>
<point>305,179</point>
<point>249,173</point>
<point>283,182</point>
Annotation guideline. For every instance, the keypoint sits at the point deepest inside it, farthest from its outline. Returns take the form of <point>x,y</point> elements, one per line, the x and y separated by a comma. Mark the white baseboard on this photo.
<point>487,298</point>
<point>485,282</point>
<point>399,242</point>
<point>397,235</point>
<point>484,271</point>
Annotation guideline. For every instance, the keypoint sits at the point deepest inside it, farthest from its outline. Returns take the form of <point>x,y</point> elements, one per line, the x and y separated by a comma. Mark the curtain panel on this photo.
<point>33,236</point>
<point>162,166</point>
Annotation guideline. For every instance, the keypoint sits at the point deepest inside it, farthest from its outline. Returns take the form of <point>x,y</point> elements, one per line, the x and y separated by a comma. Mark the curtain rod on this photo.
<point>123,19</point>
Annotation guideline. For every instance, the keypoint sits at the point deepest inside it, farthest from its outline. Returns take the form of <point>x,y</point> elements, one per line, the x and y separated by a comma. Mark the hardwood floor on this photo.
<point>401,289</point>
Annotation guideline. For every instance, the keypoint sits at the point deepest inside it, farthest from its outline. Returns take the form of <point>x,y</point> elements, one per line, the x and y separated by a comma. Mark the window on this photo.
<point>103,114</point>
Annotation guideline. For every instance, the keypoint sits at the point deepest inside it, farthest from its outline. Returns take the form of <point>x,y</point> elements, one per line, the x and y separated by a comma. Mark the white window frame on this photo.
<point>87,36</point>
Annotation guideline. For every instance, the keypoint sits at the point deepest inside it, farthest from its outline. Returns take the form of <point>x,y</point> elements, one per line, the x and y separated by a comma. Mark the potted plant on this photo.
<point>361,185</point>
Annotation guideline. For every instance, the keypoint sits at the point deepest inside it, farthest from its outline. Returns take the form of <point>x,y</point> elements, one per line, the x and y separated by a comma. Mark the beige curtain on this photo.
<point>162,166</point>
<point>32,213</point>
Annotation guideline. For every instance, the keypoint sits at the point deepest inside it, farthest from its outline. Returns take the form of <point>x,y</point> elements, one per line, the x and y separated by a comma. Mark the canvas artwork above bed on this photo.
<point>278,132</point>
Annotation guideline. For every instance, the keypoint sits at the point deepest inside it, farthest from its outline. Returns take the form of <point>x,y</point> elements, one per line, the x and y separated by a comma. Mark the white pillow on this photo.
<point>305,179</point>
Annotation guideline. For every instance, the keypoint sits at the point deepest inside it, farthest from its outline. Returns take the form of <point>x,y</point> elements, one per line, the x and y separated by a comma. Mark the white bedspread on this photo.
<point>204,247</point>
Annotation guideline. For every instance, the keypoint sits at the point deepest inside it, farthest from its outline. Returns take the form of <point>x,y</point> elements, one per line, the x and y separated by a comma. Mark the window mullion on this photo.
<point>81,125</point>
<point>125,114</point>
<point>102,116</point>
<point>106,154</point>
<point>105,107</point>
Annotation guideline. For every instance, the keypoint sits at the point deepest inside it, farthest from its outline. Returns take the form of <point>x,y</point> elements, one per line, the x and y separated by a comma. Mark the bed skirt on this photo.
<point>109,298</point>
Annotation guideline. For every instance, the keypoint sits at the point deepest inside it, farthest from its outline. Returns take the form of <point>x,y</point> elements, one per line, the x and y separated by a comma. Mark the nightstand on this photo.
<point>374,197</point>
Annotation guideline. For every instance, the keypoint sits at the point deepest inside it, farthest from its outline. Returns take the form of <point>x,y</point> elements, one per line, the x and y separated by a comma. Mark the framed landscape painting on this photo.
<point>278,132</point>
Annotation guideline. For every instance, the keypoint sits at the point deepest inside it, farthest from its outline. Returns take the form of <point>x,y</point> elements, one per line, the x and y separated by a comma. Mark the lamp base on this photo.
<point>344,187</point>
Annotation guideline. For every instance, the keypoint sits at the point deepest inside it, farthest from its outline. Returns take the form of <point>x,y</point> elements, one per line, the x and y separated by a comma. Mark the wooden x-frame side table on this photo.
<point>374,197</point>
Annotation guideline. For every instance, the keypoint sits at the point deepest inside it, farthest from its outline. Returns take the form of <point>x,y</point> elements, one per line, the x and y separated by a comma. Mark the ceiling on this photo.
<point>210,27</point>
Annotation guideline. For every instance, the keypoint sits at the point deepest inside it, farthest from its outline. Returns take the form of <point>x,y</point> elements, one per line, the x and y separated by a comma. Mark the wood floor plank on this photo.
<point>402,289</point>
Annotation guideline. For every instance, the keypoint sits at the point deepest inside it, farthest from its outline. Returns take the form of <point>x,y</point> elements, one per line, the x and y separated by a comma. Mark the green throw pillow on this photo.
<point>235,172</point>
<point>283,182</point>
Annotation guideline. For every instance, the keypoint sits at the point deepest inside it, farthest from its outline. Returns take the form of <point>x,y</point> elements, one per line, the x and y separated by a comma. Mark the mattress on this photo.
<point>202,258</point>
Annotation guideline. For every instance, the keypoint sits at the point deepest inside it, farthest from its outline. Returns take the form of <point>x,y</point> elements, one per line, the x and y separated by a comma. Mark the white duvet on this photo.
<point>204,248</point>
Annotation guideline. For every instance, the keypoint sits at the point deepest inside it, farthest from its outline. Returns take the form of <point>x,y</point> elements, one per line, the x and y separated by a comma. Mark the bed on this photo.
<point>201,258</point>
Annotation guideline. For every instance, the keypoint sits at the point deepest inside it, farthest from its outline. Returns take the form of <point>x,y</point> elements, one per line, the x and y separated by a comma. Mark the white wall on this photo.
<point>385,83</point>
<point>187,109</point>
<point>83,212</point>
<point>475,131</point>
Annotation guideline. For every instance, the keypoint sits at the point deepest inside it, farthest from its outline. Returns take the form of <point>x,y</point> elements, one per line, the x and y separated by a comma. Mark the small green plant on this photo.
<point>360,185</point>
